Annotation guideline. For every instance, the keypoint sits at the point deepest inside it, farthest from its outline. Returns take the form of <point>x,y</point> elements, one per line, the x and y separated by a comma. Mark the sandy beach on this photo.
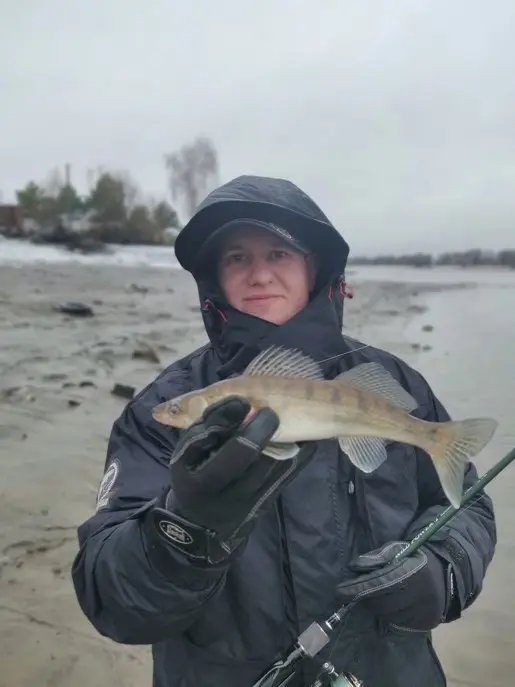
<point>56,410</point>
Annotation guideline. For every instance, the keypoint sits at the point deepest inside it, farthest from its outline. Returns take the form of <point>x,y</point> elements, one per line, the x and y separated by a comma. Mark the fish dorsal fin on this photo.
<point>277,361</point>
<point>376,379</point>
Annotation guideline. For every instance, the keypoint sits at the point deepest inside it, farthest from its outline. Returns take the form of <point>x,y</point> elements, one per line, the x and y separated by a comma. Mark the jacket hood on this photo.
<point>270,200</point>
<point>238,337</point>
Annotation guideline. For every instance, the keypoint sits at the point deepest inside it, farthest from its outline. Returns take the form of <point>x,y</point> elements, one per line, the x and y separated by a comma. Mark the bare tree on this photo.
<point>191,170</point>
<point>53,183</point>
<point>133,196</point>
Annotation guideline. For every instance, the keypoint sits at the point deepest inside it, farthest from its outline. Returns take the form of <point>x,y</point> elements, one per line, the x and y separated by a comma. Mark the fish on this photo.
<point>363,408</point>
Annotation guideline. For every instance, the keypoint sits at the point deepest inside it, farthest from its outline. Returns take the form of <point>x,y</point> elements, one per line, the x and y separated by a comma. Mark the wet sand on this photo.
<point>56,410</point>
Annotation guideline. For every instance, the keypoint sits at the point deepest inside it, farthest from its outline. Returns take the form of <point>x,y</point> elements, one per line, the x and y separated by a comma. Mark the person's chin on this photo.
<point>273,311</point>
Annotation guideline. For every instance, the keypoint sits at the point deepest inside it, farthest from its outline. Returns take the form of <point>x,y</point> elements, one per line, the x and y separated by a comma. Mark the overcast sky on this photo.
<point>397,116</point>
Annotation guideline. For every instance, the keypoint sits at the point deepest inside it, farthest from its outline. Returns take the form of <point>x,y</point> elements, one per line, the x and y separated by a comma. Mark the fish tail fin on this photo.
<point>466,438</point>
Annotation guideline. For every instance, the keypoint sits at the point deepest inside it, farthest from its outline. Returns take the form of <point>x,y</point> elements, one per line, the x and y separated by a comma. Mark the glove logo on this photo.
<point>177,534</point>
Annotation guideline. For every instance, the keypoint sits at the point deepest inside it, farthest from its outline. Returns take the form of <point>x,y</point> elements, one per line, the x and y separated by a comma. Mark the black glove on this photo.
<point>412,593</point>
<point>220,481</point>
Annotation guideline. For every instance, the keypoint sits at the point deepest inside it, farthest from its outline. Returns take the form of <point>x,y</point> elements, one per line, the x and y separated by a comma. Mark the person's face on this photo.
<point>262,275</point>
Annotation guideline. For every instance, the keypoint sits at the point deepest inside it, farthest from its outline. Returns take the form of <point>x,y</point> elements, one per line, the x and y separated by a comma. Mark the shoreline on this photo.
<point>56,411</point>
<point>10,244</point>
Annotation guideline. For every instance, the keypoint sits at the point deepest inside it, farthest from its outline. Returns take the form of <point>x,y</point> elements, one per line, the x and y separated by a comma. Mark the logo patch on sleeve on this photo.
<point>106,488</point>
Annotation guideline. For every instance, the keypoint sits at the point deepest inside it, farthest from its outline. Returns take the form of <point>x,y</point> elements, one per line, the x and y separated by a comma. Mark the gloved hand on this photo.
<point>412,593</point>
<point>220,481</point>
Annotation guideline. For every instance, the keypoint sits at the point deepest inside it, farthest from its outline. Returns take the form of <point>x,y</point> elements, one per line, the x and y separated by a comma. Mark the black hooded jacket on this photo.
<point>224,627</point>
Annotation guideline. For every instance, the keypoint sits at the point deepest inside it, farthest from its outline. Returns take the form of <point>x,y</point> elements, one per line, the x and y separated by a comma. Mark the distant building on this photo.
<point>78,221</point>
<point>11,220</point>
<point>14,223</point>
<point>30,226</point>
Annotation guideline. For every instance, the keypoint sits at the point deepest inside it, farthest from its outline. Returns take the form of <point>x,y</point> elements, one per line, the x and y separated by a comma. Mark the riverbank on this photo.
<point>56,409</point>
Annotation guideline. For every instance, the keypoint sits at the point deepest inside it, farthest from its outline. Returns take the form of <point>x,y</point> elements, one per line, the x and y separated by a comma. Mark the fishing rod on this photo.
<point>315,637</point>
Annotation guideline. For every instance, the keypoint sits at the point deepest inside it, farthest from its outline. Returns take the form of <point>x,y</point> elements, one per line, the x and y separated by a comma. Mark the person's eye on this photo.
<point>279,254</point>
<point>232,258</point>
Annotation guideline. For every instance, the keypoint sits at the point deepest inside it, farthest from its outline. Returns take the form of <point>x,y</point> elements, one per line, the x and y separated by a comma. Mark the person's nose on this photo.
<point>260,273</point>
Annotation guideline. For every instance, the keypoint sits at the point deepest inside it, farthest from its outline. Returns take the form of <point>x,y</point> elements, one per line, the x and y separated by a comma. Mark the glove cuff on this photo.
<point>194,541</point>
<point>201,545</point>
<point>452,601</point>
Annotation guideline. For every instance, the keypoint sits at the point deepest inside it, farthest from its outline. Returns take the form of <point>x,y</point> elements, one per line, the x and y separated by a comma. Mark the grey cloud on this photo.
<point>396,116</point>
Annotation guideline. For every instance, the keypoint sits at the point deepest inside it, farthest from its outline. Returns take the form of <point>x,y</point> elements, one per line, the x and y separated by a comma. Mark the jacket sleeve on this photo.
<point>132,587</point>
<point>467,542</point>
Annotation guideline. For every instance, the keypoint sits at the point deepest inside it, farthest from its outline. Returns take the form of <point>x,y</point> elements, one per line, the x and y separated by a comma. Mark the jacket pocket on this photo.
<point>391,657</point>
<point>414,653</point>
<point>387,499</point>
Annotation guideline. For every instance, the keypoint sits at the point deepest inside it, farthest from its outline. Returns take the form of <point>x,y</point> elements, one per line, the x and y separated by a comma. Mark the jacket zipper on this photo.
<point>289,601</point>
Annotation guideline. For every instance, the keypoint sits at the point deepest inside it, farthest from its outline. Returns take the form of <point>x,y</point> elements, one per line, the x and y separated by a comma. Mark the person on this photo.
<point>219,556</point>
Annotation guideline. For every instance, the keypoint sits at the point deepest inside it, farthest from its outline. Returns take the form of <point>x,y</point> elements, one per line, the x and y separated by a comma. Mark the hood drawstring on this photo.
<point>346,290</point>
<point>208,305</point>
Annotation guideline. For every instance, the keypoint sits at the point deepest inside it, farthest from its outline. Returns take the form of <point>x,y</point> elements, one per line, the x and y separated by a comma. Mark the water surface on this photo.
<point>471,367</point>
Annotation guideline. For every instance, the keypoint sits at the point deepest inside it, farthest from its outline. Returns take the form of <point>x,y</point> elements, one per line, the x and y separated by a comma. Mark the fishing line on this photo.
<point>340,355</point>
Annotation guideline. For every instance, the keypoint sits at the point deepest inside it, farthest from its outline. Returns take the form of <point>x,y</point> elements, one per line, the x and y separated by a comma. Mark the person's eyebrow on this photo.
<point>232,246</point>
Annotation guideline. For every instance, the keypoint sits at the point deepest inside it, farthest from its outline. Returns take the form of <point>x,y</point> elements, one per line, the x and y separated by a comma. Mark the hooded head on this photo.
<point>269,267</point>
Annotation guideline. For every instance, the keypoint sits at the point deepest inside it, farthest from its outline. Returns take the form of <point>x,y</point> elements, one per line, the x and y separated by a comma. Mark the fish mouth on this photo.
<point>157,412</point>
<point>167,414</point>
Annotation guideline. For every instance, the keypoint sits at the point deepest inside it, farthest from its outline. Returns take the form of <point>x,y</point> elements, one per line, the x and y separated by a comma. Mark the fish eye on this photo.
<point>174,408</point>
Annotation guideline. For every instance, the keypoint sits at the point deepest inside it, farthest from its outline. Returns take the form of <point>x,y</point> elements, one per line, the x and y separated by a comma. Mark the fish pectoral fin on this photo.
<point>277,361</point>
<point>366,453</point>
<point>376,379</point>
<point>281,451</point>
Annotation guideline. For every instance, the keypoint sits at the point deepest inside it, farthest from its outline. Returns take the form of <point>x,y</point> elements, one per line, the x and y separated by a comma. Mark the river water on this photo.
<point>471,368</point>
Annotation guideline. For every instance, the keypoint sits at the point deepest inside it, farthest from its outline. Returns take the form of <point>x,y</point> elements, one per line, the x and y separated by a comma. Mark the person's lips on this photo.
<point>264,297</point>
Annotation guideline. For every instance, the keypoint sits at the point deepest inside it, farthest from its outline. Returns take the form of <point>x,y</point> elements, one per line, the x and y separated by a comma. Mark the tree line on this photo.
<point>115,208</point>
<point>468,258</point>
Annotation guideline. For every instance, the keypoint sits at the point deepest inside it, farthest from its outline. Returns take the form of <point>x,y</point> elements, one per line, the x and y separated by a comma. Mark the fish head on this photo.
<point>180,412</point>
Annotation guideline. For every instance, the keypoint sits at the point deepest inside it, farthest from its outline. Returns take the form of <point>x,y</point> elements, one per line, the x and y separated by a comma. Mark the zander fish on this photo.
<point>362,408</point>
